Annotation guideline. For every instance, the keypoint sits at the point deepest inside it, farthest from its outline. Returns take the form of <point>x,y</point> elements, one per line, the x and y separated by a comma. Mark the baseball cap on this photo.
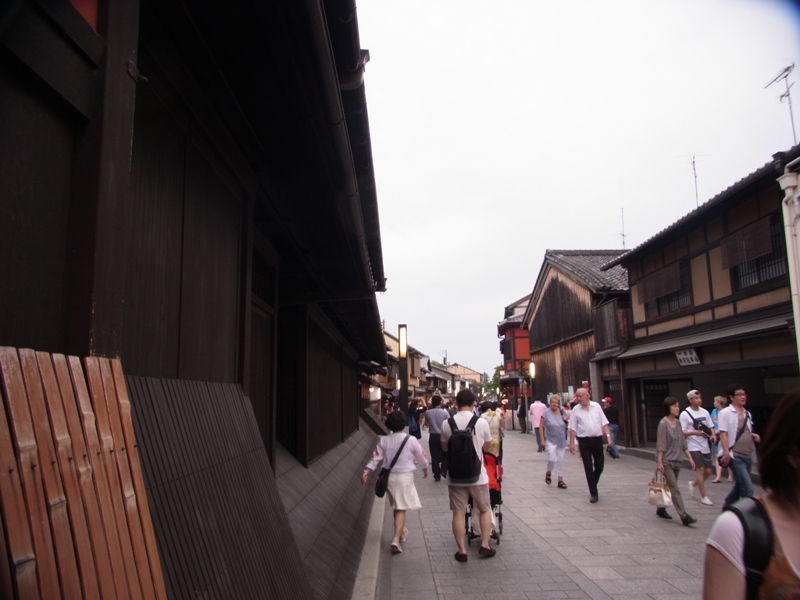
<point>607,399</point>
<point>692,394</point>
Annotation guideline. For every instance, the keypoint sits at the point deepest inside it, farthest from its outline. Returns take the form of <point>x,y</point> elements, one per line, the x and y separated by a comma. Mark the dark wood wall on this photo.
<point>562,311</point>
<point>36,136</point>
<point>185,254</point>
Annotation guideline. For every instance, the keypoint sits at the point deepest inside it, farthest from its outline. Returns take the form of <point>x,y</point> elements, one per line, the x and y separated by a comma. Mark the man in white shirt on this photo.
<point>479,491</point>
<point>737,443</point>
<point>588,424</point>
<point>535,413</point>
<point>692,419</point>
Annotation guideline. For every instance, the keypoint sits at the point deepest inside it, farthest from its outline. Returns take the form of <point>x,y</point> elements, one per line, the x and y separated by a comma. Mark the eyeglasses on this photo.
<point>740,394</point>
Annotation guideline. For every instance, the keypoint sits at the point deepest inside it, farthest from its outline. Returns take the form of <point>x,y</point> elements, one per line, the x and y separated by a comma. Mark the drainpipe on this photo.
<point>790,184</point>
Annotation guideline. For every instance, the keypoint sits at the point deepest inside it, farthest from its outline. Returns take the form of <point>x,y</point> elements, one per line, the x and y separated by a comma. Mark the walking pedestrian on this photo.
<point>468,476</point>
<point>588,424</point>
<point>671,447</point>
<point>738,443</point>
<point>720,402</point>
<point>402,492</point>
<point>612,414</point>
<point>535,412</point>
<point>435,417</point>
<point>552,432</point>
<point>697,428</point>
<point>496,426</point>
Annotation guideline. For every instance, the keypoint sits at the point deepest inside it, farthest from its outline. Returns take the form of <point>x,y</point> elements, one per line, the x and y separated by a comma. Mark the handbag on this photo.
<point>382,483</point>
<point>658,493</point>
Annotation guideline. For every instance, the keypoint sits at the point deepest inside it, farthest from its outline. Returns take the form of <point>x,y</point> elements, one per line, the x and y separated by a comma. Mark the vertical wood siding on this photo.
<point>563,310</point>
<point>325,398</point>
<point>221,527</point>
<point>568,364</point>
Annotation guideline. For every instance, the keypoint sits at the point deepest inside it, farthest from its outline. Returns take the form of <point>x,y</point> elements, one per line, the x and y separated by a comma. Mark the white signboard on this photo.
<point>687,357</point>
<point>449,386</point>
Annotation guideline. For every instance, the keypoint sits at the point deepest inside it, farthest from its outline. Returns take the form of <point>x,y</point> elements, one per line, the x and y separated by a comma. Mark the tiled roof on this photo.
<point>584,266</point>
<point>772,169</point>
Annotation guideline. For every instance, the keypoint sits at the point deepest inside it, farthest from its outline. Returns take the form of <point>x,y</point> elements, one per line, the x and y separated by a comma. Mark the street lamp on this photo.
<point>402,338</point>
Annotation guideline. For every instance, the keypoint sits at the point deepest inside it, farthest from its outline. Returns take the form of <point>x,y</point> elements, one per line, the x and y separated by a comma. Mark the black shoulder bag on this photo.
<point>382,483</point>
<point>758,541</point>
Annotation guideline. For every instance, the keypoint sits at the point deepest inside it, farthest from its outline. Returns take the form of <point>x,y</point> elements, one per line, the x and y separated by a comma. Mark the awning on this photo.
<point>731,333</point>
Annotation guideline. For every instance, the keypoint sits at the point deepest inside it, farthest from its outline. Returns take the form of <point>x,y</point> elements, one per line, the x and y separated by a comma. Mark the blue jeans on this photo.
<point>613,429</point>
<point>742,485</point>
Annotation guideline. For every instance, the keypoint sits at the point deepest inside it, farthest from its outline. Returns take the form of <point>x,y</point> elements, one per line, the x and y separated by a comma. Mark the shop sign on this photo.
<point>687,357</point>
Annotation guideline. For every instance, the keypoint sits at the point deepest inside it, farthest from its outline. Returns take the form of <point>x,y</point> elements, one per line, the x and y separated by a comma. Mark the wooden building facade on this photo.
<point>711,305</point>
<point>189,187</point>
<point>571,293</point>
<point>515,350</point>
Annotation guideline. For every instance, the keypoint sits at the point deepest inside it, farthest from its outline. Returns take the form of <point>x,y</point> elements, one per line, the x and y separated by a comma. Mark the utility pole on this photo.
<point>787,95</point>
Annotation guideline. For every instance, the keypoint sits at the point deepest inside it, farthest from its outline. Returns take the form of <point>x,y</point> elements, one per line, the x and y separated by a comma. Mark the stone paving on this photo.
<point>555,544</point>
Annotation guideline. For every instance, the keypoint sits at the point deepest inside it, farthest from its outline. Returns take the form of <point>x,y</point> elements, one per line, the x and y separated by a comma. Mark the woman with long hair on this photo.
<point>779,466</point>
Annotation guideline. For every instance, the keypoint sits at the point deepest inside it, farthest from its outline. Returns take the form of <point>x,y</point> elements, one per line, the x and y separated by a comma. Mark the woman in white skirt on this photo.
<point>402,492</point>
<point>553,436</point>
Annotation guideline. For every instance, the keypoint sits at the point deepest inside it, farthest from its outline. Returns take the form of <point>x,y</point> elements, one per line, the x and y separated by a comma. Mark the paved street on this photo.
<point>555,544</point>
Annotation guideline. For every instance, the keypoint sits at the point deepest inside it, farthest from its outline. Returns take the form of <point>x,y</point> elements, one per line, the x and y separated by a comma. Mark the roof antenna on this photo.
<point>694,170</point>
<point>787,95</point>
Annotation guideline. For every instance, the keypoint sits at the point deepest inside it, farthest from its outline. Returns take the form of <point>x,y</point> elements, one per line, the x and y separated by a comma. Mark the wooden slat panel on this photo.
<point>86,480</point>
<point>220,524</point>
<point>108,447</point>
<point>72,490</point>
<point>31,474</point>
<point>129,497</point>
<point>138,481</point>
<point>21,559</point>
<point>103,491</point>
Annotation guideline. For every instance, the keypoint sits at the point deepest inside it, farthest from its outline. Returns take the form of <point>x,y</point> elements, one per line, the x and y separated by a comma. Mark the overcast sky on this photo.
<point>502,129</point>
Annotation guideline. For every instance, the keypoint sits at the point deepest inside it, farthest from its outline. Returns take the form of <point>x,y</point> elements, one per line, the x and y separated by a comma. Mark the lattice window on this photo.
<point>766,266</point>
<point>675,300</point>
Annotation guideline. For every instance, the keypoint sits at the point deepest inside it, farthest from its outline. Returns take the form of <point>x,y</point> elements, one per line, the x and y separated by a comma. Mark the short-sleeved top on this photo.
<point>435,417</point>
<point>587,422</point>
<point>729,422</point>
<point>696,443</point>
<point>409,459</point>
<point>671,441</point>
<point>555,429</point>
<point>494,419</point>
<point>536,411</point>
<point>480,436</point>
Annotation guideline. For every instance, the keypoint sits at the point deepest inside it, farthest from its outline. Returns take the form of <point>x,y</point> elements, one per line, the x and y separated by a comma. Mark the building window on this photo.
<point>767,266</point>
<point>673,301</point>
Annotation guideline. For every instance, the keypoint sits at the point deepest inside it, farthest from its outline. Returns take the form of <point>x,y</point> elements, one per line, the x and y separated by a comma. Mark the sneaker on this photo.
<point>706,500</point>
<point>404,537</point>
<point>692,489</point>
<point>688,520</point>
<point>396,549</point>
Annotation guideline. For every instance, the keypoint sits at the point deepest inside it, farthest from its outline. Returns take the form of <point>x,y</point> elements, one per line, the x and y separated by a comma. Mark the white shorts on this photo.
<point>402,491</point>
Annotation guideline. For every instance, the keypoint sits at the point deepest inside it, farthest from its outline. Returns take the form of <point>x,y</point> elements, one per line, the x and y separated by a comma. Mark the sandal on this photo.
<point>547,478</point>
<point>562,485</point>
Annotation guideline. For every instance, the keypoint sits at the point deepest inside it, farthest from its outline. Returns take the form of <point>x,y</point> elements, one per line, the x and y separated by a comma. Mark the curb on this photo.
<point>367,576</point>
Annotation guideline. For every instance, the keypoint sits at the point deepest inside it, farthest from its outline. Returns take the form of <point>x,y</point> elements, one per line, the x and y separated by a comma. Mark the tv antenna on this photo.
<point>694,171</point>
<point>787,95</point>
<point>622,235</point>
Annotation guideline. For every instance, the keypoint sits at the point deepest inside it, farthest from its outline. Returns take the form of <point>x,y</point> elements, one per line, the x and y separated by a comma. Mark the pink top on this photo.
<point>536,411</point>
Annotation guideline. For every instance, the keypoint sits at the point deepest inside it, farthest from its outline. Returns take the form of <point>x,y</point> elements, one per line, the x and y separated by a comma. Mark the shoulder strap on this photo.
<point>758,541</point>
<point>744,424</point>
<point>394,460</point>
<point>471,425</point>
<point>453,427</point>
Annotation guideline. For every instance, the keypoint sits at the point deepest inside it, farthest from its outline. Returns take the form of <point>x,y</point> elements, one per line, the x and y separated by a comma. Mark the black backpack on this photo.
<point>463,463</point>
<point>758,541</point>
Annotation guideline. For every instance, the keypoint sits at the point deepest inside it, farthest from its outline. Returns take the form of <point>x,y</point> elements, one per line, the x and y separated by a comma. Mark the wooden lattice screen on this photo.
<point>75,522</point>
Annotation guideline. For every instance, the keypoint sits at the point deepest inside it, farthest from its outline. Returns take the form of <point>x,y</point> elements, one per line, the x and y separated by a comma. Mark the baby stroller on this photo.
<point>494,468</point>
